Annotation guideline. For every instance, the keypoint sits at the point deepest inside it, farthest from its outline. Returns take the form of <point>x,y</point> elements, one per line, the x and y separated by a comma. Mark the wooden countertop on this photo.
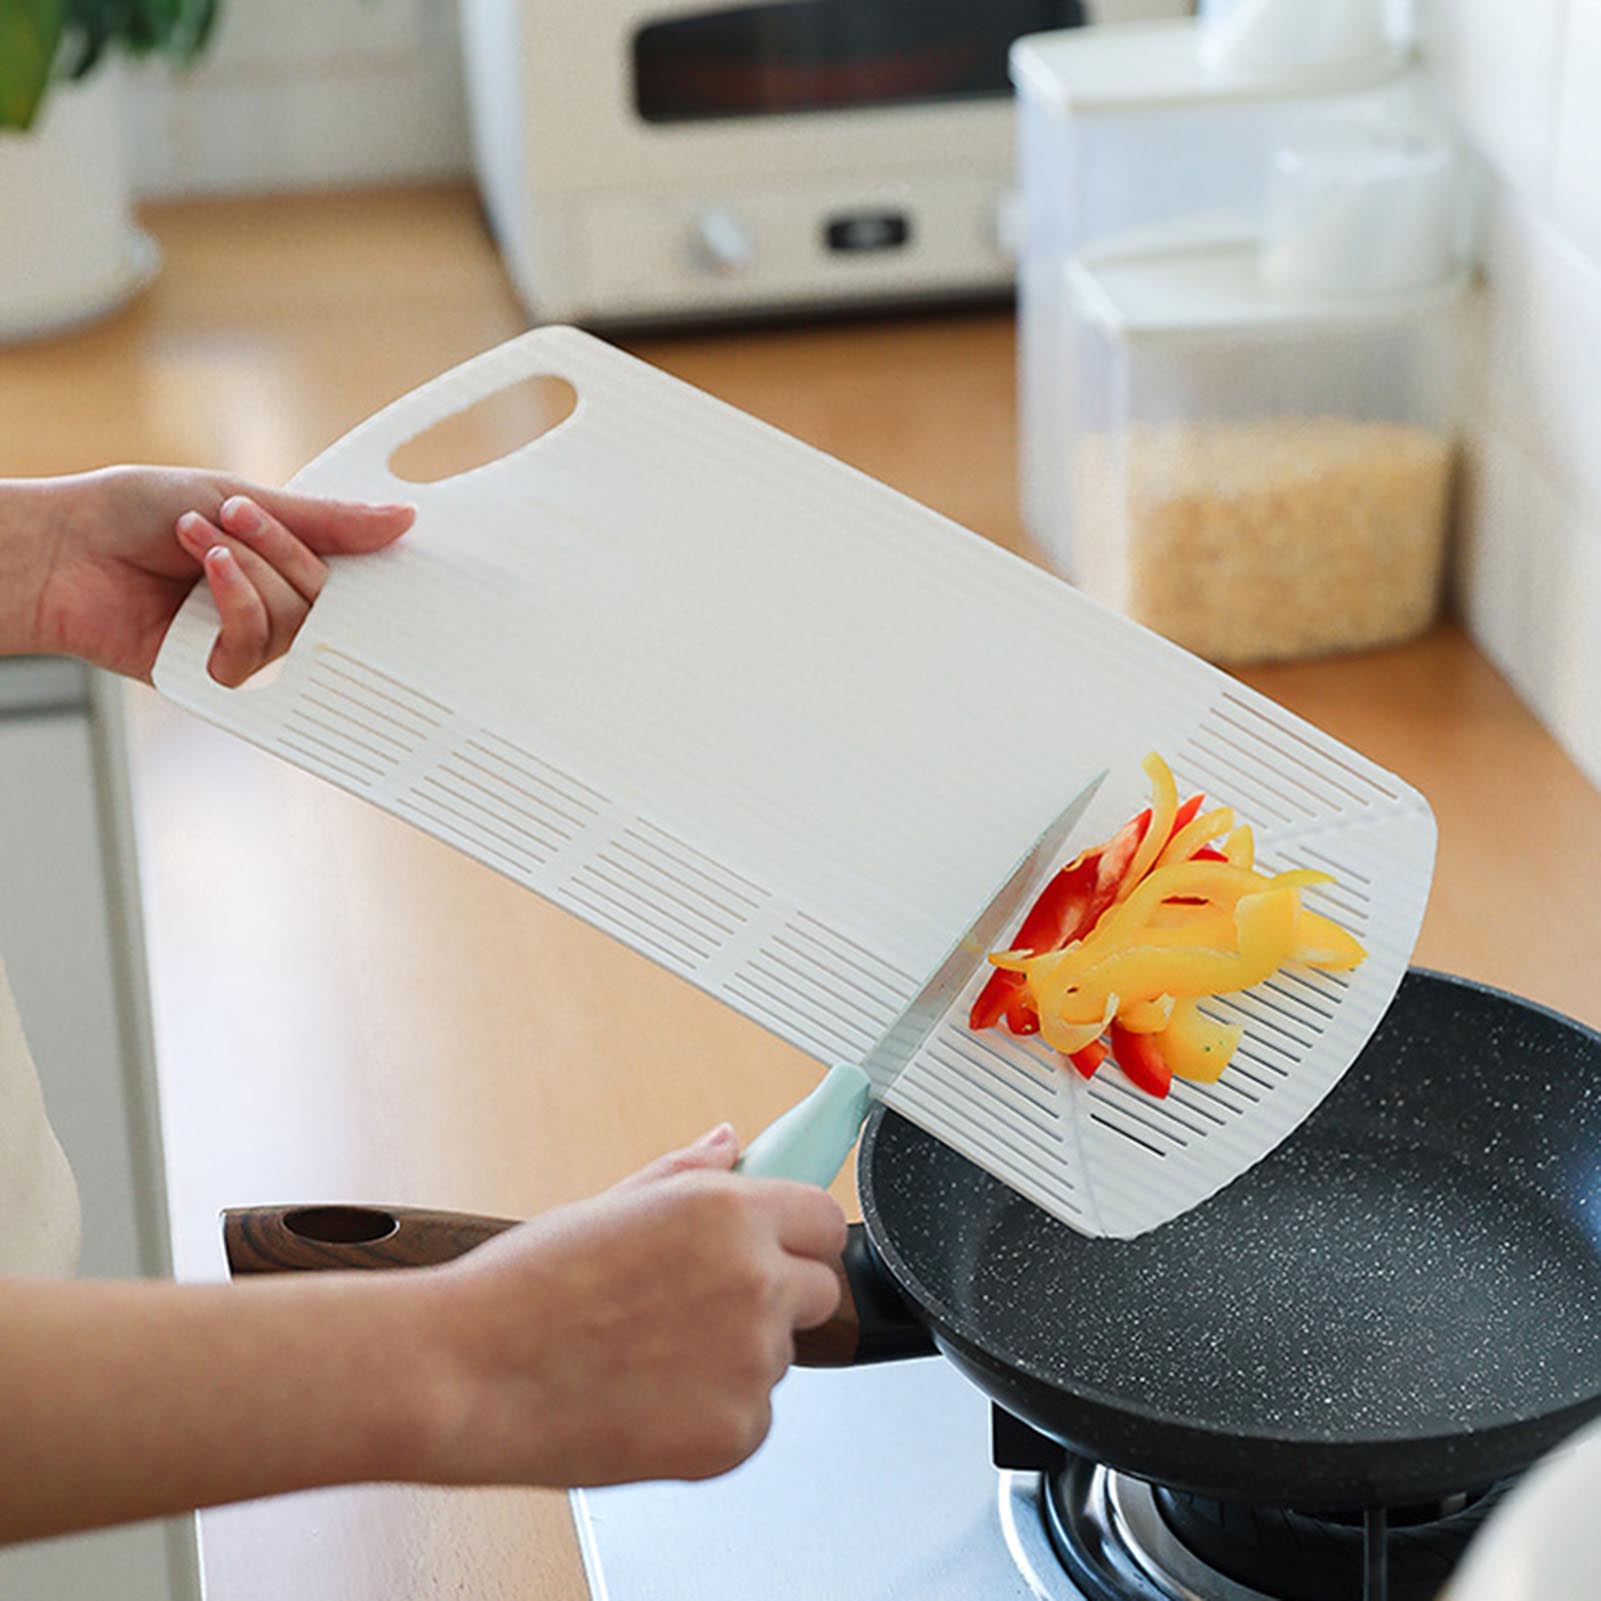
<point>345,1008</point>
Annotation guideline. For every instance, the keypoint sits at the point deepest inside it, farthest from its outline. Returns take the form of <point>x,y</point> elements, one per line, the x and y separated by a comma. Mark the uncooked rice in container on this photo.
<point>1280,538</point>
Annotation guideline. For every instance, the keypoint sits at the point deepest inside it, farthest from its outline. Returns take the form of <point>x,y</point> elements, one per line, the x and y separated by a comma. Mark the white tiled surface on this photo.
<point>1544,345</point>
<point>306,93</point>
<point>1523,78</point>
<point>1500,61</point>
<point>1576,165</point>
<point>1492,556</point>
<point>1559,670</point>
<point>1529,573</point>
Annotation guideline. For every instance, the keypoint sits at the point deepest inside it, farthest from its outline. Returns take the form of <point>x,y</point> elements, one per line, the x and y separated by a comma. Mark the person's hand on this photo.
<point>634,1336</point>
<point>637,1335</point>
<point>122,548</point>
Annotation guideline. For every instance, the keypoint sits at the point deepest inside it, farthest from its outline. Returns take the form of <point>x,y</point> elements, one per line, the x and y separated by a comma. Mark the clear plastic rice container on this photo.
<point>1127,136</point>
<point>1257,475</point>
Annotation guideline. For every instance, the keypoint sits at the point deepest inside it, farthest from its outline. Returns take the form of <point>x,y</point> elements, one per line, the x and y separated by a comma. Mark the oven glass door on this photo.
<point>832,55</point>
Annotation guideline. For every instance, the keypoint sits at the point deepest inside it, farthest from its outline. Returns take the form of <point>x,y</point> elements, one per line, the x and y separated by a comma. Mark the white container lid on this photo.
<point>1299,39</point>
<point>1356,210</point>
<point>1148,66</point>
<point>1214,287</point>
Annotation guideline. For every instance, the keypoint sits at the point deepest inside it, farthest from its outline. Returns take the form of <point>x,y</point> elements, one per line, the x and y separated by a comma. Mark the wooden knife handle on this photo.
<point>304,1239</point>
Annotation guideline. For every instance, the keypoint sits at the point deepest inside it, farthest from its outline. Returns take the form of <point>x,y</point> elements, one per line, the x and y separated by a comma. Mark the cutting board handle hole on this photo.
<point>342,1225</point>
<point>263,677</point>
<point>497,426</point>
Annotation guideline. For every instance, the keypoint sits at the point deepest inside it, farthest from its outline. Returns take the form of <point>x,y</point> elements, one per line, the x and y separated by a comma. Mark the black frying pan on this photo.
<point>1402,1302</point>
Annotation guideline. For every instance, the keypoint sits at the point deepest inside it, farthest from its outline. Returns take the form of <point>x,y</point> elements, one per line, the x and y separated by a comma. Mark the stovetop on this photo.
<point>876,1484</point>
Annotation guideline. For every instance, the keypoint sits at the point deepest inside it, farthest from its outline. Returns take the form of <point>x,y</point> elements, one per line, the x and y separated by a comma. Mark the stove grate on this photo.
<point>1120,1540</point>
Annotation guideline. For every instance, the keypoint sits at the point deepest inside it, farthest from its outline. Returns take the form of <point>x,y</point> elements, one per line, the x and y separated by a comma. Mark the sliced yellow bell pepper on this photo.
<point>1207,927</point>
<point>1195,1047</point>
<point>1164,805</point>
<point>1199,880</point>
<point>1148,1017</point>
<point>1321,942</point>
<point>1179,932</point>
<point>1221,885</point>
<point>1266,936</point>
<point>1190,925</point>
<point>1070,1037</point>
<point>1190,839</point>
<point>1205,924</point>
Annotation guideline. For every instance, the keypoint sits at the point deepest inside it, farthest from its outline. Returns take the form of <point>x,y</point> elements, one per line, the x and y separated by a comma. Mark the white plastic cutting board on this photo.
<point>784,731</point>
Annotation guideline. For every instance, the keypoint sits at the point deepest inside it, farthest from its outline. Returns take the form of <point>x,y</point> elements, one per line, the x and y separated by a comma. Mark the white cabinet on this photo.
<point>71,950</point>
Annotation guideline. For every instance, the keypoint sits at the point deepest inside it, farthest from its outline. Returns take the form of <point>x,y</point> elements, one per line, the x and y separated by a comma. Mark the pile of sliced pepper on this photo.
<point>1125,943</point>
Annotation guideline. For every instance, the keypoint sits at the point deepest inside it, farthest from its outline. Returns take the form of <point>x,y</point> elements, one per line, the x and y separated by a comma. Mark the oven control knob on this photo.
<point>720,242</point>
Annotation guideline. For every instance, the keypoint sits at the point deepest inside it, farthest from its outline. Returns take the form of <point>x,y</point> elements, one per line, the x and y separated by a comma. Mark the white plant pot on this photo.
<point>69,249</point>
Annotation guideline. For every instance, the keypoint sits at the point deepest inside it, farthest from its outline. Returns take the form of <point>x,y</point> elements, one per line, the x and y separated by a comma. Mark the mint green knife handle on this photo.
<point>810,1142</point>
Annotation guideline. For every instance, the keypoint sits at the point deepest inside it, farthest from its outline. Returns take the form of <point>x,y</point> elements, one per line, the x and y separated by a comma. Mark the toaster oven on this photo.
<point>642,160</point>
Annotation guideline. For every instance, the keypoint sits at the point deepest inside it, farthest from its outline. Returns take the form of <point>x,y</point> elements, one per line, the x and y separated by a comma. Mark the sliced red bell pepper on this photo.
<point>1143,1064</point>
<point>1053,922</point>
<point>1090,1058</point>
<point>1055,918</point>
<point>1070,905</point>
<point>1186,814</point>
<point>993,999</point>
<point>1021,1018</point>
<point>1116,855</point>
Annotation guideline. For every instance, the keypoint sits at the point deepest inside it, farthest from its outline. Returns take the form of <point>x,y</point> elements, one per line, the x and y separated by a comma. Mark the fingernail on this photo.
<point>219,556</point>
<point>241,516</point>
<point>717,1139</point>
<point>397,506</point>
<point>188,525</point>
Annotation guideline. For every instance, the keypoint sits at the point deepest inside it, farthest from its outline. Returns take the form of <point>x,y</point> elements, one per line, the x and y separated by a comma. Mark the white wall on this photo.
<point>1524,80</point>
<point>306,93</point>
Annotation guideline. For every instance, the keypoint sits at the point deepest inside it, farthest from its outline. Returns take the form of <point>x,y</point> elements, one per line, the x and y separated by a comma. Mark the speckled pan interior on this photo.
<point>1421,1259</point>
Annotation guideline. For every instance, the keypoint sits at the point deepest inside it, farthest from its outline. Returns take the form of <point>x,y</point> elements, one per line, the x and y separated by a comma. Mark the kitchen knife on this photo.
<point>808,1143</point>
<point>811,1141</point>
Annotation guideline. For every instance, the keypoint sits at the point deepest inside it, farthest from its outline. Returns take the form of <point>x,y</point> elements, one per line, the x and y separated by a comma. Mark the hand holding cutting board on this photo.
<point>98,564</point>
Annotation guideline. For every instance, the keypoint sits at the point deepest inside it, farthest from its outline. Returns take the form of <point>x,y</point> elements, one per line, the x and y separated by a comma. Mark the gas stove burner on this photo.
<point>1086,1534</point>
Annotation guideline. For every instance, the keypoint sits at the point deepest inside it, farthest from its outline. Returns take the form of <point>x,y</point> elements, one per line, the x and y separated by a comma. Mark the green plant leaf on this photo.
<point>91,25</point>
<point>71,37</point>
<point>177,29</point>
<point>202,19</point>
<point>152,23</point>
<point>30,36</point>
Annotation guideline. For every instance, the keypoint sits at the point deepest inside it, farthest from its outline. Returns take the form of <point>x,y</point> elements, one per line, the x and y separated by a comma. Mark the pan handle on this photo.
<point>304,1239</point>
<point>874,1323</point>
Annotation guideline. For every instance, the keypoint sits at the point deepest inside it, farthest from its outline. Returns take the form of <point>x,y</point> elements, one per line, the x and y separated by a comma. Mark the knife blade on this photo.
<point>811,1141</point>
